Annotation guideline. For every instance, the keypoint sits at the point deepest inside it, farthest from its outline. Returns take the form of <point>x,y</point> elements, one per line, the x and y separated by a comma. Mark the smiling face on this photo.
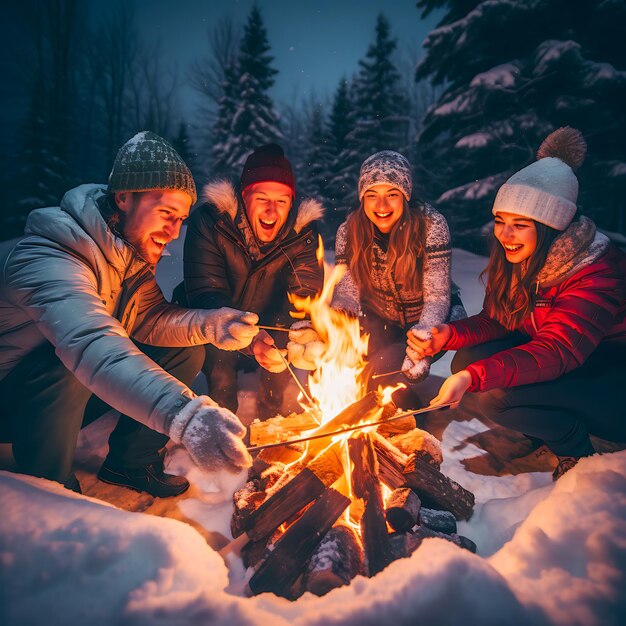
<point>267,207</point>
<point>383,205</point>
<point>517,235</point>
<point>152,219</point>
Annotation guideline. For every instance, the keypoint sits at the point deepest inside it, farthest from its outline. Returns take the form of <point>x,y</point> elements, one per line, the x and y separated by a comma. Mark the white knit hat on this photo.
<point>546,191</point>
<point>386,168</point>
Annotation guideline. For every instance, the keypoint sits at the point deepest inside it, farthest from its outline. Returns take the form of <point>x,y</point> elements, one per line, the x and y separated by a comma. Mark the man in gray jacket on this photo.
<point>81,315</point>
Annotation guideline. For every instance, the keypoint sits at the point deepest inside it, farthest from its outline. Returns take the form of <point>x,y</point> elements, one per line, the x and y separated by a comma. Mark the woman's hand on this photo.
<point>267,354</point>
<point>453,389</point>
<point>428,343</point>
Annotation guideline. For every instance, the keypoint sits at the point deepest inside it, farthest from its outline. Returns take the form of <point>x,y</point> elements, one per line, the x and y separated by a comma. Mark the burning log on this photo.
<point>391,462</point>
<point>369,407</point>
<point>282,454</point>
<point>437,491</point>
<point>336,561</point>
<point>280,570</point>
<point>397,427</point>
<point>404,544</point>
<point>303,488</point>
<point>365,485</point>
<point>281,428</point>
<point>422,444</point>
<point>439,521</point>
<point>403,509</point>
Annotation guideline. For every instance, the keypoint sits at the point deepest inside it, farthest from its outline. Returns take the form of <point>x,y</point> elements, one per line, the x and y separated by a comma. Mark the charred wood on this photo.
<point>421,443</point>
<point>439,521</point>
<point>336,561</point>
<point>402,509</point>
<point>404,544</point>
<point>303,488</point>
<point>391,462</point>
<point>282,566</point>
<point>437,491</point>
<point>366,485</point>
<point>281,428</point>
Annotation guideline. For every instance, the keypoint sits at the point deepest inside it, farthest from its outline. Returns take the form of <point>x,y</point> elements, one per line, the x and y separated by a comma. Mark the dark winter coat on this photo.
<point>579,303</point>
<point>74,282</point>
<point>224,265</point>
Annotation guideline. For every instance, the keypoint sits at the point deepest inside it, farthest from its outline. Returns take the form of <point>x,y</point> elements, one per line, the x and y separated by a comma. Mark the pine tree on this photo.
<point>344,160</point>
<point>381,121</point>
<point>254,121</point>
<point>221,162</point>
<point>514,71</point>
<point>182,145</point>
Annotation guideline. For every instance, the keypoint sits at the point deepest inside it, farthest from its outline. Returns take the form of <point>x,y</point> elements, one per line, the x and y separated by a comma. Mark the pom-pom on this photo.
<point>564,143</point>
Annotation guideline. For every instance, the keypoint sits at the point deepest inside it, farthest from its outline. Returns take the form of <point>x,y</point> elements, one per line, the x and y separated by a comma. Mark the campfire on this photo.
<point>315,514</point>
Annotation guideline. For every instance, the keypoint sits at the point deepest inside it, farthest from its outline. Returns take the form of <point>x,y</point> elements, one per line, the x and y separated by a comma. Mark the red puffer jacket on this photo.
<point>569,320</point>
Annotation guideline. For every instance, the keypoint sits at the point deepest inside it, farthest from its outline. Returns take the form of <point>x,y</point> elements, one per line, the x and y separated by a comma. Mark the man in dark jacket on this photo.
<point>248,249</point>
<point>81,314</point>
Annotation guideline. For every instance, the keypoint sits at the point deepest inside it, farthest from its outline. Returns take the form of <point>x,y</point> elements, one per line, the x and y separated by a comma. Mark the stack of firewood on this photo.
<point>307,529</point>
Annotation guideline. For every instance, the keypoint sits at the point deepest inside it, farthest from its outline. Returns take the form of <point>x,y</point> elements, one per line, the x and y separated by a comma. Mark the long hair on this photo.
<point>511,287</point>
<point>404,254</point>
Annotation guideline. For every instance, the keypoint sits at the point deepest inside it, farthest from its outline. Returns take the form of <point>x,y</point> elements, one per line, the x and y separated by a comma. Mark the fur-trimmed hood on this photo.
<point>222,195</point>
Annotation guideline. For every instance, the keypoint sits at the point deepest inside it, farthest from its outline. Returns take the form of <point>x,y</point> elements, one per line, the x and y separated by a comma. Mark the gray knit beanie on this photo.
<point>386,168</point>
<point>147,162</point>
<point>546,191</point>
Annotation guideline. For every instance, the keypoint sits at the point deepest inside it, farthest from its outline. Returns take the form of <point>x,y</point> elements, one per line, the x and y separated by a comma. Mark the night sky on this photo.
<point>314,43</point>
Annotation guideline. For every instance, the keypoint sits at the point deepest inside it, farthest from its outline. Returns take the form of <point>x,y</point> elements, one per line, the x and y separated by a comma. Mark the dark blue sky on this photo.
<point>314,42</point>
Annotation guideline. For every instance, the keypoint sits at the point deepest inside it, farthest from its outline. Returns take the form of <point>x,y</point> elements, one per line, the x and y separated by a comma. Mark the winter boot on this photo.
<point>150,478</point>
<point>565,465</point>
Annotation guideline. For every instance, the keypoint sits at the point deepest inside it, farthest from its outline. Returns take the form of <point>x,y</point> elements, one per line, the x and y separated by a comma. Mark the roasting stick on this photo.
<point>427,409</point>
<point>280,328</point>
<point>304,393</point>
<point>387,374</point>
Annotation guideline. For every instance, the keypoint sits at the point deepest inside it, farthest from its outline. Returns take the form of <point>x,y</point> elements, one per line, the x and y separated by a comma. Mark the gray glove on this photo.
<point>305,346</point>
<point>414,367</point>
<point>230,329</point>
<point>212,436</point>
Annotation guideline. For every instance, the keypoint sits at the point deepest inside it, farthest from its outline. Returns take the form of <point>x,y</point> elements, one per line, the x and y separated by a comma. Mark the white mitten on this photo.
<point>212,436</point>
<point>414,367</point>
<point>305,346</point>
<point>230,329</point>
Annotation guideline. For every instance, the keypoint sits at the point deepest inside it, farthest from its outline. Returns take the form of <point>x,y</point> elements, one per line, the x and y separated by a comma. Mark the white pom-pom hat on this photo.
<point>546,191</point>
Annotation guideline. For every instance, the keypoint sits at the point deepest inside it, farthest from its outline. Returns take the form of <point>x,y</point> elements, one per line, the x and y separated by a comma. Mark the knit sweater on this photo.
<point>425,306</point>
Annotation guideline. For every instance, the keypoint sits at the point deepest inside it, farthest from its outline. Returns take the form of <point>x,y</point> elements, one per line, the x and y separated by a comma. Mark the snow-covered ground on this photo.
<point>548,553</point>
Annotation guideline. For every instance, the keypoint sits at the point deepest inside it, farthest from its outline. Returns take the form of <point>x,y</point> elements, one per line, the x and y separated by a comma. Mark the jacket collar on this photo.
<point>223,196</point>
<point>577,247</point>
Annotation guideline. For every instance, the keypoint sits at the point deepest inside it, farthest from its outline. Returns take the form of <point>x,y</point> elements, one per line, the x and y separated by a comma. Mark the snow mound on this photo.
<point>83,561</point>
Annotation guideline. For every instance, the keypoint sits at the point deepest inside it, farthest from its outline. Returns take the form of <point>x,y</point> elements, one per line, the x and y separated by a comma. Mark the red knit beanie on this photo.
<point>268,163</point>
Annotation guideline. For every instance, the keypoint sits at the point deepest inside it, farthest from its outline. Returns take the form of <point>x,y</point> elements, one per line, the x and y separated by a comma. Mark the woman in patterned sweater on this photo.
<point>397,280</point>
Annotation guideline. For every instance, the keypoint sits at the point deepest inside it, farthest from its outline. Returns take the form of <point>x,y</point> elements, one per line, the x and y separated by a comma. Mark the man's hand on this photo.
<point>428,342</point>
<point>212,435</point>
<point>305,346</point>
<point>230,329</point>
<point>453,389</point>
<point>267,354</point>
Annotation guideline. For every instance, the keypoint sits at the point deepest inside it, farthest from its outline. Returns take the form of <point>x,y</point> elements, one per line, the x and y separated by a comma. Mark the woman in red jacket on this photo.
<point>547,354</point>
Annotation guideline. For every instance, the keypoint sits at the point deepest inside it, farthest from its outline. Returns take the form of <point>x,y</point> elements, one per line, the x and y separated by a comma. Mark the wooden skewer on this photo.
<point>280,328</point>
<point>387,374</point>
<point>304,393</point>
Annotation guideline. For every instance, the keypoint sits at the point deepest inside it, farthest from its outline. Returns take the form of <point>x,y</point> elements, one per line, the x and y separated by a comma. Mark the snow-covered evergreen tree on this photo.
<point>381,120</point>
<point>344,160</point>
<point>254,121</point>
<point>221,151</point>
<point>514,70</point>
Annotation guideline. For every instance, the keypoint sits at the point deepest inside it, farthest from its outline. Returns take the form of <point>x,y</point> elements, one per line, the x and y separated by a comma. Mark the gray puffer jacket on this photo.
<point>72,281</point>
